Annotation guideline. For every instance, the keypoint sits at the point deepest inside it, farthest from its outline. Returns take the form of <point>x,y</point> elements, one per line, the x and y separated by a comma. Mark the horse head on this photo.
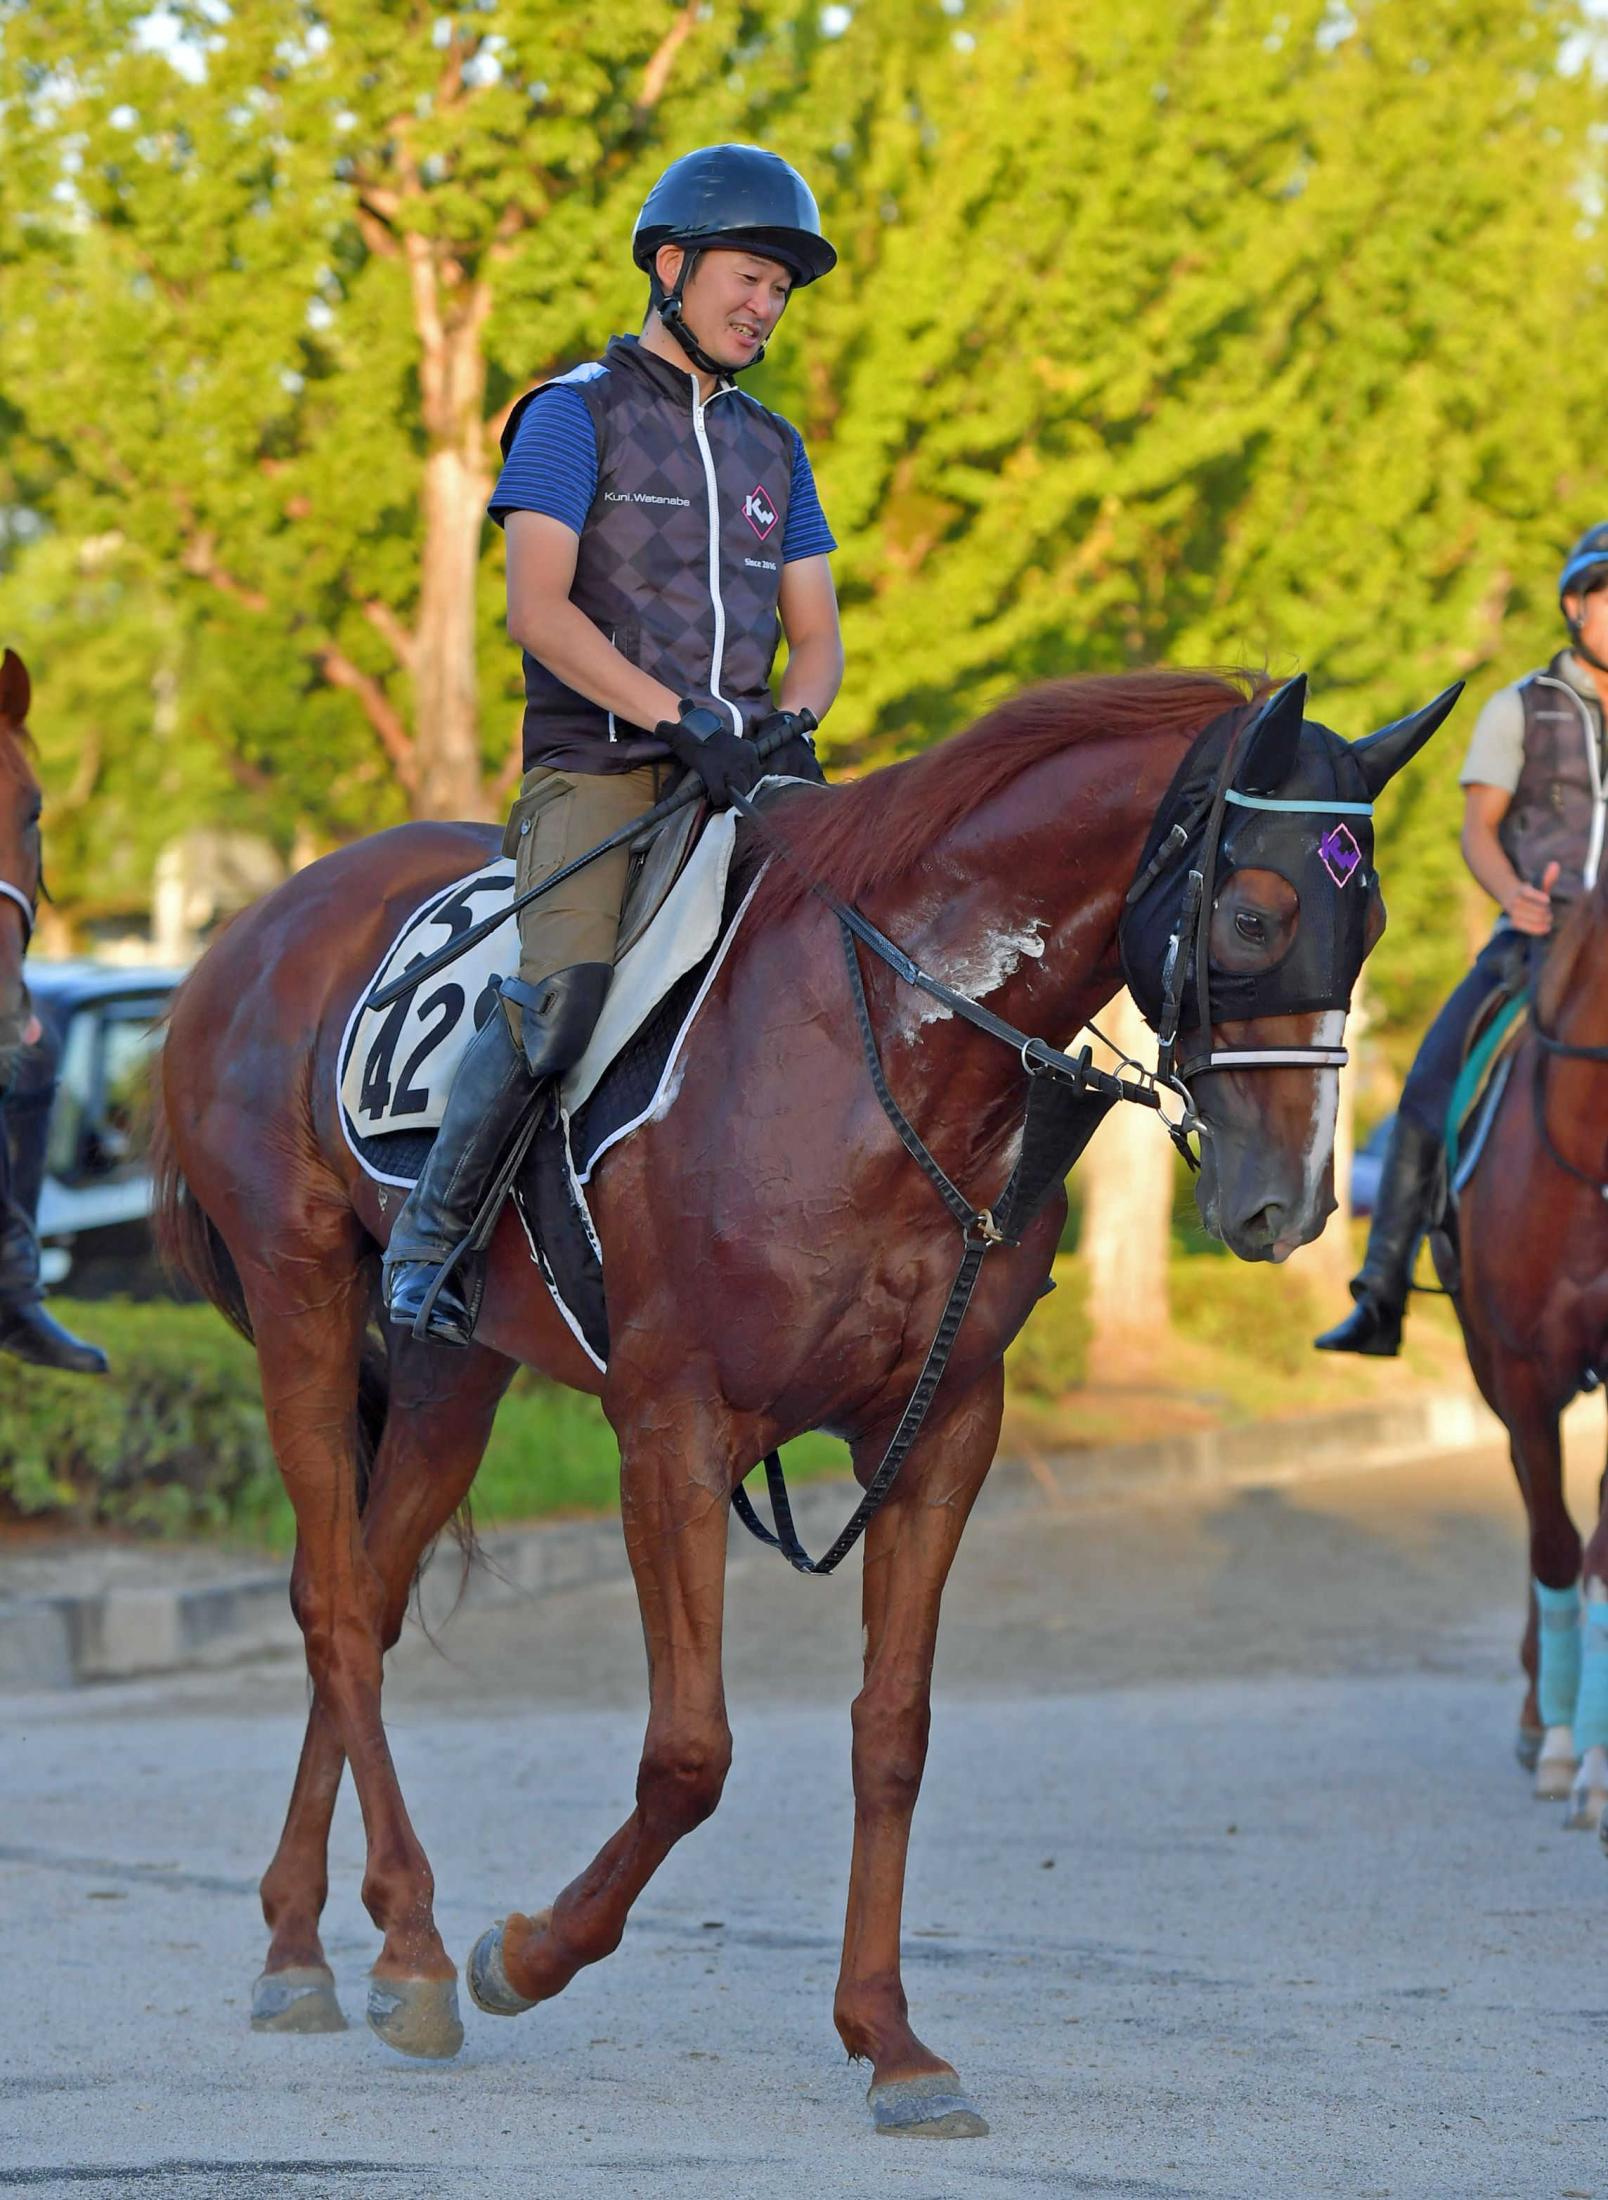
<point>20,875</point>
<point>1254,908</point>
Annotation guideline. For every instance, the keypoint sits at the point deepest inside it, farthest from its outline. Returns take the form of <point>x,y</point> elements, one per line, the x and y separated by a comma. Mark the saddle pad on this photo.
<point>397,1063</point>
<point>1480,1080</point>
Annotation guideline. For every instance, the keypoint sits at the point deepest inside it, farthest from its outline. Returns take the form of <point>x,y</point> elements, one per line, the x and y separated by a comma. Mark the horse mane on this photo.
<point>874,830</point>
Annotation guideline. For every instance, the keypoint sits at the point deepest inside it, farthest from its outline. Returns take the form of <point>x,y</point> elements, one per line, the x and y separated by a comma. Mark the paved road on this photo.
<point>1224,1883</point>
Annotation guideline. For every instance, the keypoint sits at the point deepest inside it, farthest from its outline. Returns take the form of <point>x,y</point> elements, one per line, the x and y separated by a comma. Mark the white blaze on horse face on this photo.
<point>1330,1032</point>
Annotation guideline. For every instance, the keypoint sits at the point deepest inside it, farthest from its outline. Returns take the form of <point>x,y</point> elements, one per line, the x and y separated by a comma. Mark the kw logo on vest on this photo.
<point>759,512</point>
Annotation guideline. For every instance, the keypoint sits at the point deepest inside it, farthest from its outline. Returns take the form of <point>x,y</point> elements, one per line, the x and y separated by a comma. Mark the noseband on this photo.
<point>29,908</point>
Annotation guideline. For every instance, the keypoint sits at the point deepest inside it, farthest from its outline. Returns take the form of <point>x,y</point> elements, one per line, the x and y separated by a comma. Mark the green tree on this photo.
<point>308,253</point>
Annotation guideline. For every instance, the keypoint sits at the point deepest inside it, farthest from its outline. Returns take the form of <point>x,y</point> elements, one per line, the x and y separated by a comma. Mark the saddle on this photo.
<point>1488,1054</point>
<point>688,890</point>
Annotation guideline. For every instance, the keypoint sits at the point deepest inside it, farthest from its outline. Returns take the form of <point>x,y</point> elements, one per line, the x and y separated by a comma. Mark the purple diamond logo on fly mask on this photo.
<point>759,512</point>
<point>1339,854</point>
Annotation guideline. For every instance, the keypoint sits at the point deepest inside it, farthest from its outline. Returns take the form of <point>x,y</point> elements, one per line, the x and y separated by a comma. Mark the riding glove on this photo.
<point>796,757</point>
<point>702,741</point>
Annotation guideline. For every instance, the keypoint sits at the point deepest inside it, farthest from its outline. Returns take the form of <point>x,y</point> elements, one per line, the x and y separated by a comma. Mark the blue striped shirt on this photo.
<point>552,469</point>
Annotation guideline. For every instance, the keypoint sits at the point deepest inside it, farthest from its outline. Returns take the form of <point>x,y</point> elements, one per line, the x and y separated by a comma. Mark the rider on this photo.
<point>1534,807</point>
<point>27,1331</point>
<point>659,520</point>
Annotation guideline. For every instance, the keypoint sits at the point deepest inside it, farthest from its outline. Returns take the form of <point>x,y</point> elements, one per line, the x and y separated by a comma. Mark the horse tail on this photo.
<point>189,1244</point>
<point>193,1250</point>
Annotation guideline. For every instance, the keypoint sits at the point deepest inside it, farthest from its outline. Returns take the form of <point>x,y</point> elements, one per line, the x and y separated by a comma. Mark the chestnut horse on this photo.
<point>774,1264</point>
<point>1532,1298</point>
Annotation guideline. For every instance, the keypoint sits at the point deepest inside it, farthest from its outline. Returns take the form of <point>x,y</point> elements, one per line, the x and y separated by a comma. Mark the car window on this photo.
<point>98,1123</point>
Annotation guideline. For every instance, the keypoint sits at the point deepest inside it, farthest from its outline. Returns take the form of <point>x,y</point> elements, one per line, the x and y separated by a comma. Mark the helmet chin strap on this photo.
<point>667,304</point>
<point>1576,627</point>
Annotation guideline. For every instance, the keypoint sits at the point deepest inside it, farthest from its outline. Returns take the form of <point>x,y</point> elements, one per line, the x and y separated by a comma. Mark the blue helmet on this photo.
<point>1586,566</point>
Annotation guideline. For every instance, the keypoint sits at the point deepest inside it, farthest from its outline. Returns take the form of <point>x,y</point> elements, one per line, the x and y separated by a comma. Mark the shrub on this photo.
<point>1051,1355</point>
<point>172,1439</point>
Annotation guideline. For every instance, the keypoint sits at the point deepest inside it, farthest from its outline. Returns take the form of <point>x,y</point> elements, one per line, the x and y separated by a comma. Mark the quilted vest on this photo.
<point>680,558</point>
<point>1557,809</point>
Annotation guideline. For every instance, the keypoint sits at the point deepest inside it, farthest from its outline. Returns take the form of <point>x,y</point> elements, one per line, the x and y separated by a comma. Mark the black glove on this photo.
<point>796,757</point>
<point>702,740</point>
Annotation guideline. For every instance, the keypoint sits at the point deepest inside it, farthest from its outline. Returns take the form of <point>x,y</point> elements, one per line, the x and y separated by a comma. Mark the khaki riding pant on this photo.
<point>557,817</point>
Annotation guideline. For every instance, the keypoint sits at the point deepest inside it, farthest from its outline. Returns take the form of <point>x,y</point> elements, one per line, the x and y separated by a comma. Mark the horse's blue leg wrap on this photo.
<point>1591,1706</point>
<point>1558,1682</point>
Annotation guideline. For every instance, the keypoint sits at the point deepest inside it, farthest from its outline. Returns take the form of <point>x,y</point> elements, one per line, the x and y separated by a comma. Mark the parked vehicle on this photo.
<point>1366,1164</point>
<point>104,1025</point>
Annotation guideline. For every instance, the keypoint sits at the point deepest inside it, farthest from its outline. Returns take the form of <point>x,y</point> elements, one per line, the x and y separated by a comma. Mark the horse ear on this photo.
<point>15,692</point>
<point>1274,737</point>
<point>1382,754</point>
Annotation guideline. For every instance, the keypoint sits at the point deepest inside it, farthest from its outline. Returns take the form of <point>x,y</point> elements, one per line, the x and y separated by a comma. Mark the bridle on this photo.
<point>1189,946</point>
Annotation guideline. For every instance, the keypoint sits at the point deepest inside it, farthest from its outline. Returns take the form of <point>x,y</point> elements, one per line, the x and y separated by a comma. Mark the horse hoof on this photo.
<point>1554,1777</point>
<point>1527,1746</point>
<point>417,2016</point>
<point>932,2107</point>
<point>301,1999</point>
<point>488,1981</point>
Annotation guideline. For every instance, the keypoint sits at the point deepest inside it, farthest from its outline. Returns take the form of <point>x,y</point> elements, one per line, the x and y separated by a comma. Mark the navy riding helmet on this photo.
<point>1585,569</point>
<point>736,196</point>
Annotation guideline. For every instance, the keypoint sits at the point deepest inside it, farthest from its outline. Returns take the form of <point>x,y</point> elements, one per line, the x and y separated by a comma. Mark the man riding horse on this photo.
<point>1534,807</point>
<point>659,521</point>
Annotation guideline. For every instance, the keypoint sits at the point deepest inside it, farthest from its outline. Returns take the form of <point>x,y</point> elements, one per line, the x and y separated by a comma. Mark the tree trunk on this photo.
<point>1127,1213</point>
<point>450,317</point>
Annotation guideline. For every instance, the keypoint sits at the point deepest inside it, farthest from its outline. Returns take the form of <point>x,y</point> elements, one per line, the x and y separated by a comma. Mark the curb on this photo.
<point>61,1641</point>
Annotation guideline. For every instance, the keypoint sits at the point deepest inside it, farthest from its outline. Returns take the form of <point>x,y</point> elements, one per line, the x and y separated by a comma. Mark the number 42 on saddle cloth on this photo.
<point>397,1063</point>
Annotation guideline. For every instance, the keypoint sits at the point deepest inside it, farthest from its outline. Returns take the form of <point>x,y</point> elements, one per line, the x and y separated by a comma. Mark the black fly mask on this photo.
<point>1261,790</point>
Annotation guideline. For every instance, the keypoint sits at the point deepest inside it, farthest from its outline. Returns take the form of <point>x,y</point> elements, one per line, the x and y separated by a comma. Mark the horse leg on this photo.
<point>908,1551</point>
<point>308,1350</point>
<point>675,1503</point>
<point>1531,1416</point>
<point>1531,1732</point>
<point>432,1443</point>
<point>1588,1799</point>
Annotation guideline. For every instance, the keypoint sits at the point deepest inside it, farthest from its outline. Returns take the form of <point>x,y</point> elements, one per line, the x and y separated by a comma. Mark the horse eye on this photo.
<point>1249,926</point>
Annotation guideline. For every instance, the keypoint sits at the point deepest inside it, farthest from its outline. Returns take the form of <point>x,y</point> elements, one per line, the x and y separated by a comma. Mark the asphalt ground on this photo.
<point>1224,1882</point>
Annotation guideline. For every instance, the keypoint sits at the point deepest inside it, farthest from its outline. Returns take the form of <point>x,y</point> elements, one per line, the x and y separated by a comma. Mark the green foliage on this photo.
<point>173,1440</point>
<point>1051,1354</point>
<point>1228,1307</point>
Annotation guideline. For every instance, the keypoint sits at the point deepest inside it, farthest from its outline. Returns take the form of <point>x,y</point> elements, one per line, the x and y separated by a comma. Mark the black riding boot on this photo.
<point>25,1328</point>
<point>494,1085</point>
<point>1400,1217</point>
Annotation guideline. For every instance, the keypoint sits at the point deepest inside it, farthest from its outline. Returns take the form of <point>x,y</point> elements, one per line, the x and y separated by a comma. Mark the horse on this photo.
<point>1529,1281</point>
<point>773,1262</point>
<point>21,862</point>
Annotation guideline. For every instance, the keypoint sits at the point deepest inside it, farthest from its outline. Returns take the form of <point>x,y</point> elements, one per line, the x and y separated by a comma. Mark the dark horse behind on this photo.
<point>774,1261</point>
<point>1531,1289</point>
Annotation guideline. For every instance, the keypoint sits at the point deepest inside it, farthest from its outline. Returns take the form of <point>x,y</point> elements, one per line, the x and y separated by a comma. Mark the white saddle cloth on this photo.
<point>398,1062</point>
